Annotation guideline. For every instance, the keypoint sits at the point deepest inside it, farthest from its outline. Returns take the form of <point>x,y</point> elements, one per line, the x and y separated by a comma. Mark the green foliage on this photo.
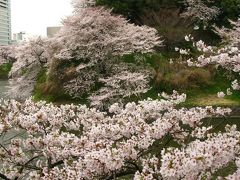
<point>230,8</point>
<point>208,95</point>
<point>45,90</point>
<point>133,8</point>
<point>38,93</point>
<point>4,70</point>
<point>42,76</point>
<point>50,89</point>
<point>171,26</point>
<point>127,8</point>
<point>177,75</point>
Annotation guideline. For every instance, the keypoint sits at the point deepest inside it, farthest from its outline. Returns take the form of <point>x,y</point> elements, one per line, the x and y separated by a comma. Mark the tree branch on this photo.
<point>4,177</point>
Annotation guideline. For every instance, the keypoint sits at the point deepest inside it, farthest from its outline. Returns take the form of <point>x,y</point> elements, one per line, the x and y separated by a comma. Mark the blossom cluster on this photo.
<point>94,36</point>
<point>45,141</point>
<point>199,10</point>
<point>199,159</point>
<point>7,54</point>
<point>226,57</point>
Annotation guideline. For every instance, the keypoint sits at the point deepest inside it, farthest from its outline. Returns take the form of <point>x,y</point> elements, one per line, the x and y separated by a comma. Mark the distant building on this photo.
<point>19,37</point>
<point>5,22</point>
<point>52,31</point>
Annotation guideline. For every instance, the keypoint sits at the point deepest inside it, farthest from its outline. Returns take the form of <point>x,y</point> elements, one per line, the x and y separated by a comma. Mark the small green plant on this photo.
<point>4,70</point>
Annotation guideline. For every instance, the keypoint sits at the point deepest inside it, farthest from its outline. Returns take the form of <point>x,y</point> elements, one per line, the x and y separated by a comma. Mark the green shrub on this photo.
<point>230,8</point>
<point>183,80</point>
<point>133,8</point>
<point>191,78</point>
<point>4,70</point>
<point>50,88</point>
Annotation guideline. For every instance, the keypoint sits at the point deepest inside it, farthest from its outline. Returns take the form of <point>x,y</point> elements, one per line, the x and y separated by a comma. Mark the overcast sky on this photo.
<point>33,16</point>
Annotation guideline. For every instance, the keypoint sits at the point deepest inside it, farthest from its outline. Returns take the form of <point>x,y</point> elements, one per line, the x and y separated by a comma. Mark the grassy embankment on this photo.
<point>200,84</point>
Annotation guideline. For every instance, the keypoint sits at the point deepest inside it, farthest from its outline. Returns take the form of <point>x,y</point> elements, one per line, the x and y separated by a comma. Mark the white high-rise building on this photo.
<point>19,37</point>
<point>5,22</point>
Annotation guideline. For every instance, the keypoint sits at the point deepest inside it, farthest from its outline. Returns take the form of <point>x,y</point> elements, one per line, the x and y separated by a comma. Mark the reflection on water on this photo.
<point>3,85</point>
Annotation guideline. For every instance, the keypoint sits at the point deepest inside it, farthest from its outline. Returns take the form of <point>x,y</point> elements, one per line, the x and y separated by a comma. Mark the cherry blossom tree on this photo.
<point>75,142</point>
<point>7,54</point>
<point>226,57</point>
<point>230,36</point>
<point>30,58</point>
<point>150,139</point>
<point>95,37</point>
<point>200,11</point>
<point>94,33</point>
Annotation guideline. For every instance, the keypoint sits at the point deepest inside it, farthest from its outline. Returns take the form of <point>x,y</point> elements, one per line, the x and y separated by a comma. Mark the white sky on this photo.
<point>34,16</point>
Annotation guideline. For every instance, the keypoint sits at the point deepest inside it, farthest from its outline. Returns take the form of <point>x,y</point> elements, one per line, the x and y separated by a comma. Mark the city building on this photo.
<point>5,22</point>
<point>52,31</point>
<point>19,37</point>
